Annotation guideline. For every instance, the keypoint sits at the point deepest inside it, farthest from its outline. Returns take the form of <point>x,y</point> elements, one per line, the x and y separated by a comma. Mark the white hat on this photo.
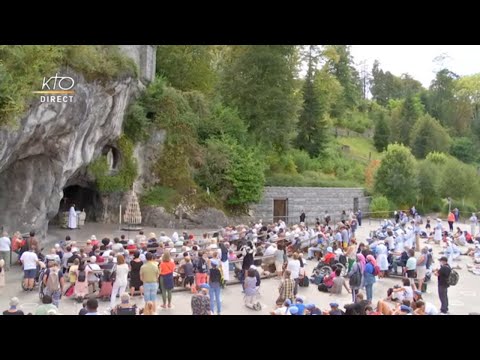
<point>253,267</point>
<point>57,246</point>
<point>93,237</point>
<point>131,242</point>
<point>439,220</point>
<point>93,259</point>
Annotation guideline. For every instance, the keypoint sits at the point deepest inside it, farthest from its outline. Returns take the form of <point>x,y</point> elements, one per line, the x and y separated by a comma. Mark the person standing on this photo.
<point>456,212</point>
<point>359,217</point>
<point>356,276</point>
<point>473,225</point>
<point>167,266</point>
<point>451,220</point>
<point>443,274</point>
<point>302,216</point>
<point>149,274</point>
<point>369,274</point>
<point>326,218</point>
<point>54,282</point>
<point>422,267</point>
<point>437,236</point>
<point>5,245</point>
<point>121,280</point>
<point>224,259</point>
<point>29,261</point>
<point>72,218</point>
<point>135,282</point>
<point>215,280</point>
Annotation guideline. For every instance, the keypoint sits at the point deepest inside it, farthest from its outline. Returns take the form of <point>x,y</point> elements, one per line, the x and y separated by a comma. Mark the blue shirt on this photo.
<point>301,308</point>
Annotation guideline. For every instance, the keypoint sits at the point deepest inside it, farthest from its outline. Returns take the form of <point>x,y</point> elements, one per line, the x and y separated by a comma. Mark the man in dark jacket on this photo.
<point>443,274</point>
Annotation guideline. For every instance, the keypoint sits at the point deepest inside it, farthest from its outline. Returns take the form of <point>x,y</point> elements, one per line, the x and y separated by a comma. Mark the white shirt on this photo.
<point>53,257</point>
<point>430,309</point>
<point>294,267</point>
<point>5,244</point>
<point>270,251</point>
<point>29,260</point>
<point>89,270</point>
<point>122,275</point>
<point>281,311</point>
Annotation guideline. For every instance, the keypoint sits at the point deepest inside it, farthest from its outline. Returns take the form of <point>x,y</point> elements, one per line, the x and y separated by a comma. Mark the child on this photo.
<point>250,285</point>
<point>188,273</point>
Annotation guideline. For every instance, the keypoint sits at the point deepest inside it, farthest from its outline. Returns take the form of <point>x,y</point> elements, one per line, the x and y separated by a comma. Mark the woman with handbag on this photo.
<point>356,281</point>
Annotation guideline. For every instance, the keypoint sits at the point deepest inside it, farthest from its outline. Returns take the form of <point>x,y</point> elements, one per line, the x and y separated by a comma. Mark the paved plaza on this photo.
<point>462,298</point>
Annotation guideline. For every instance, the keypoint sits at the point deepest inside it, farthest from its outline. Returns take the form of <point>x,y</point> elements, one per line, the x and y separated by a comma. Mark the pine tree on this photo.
<point>259,81</point>
<point>313,125</point>
<point>382,134</point>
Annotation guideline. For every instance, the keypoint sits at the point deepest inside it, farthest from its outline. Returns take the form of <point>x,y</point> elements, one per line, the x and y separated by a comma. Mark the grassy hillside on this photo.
<point>360,148</point>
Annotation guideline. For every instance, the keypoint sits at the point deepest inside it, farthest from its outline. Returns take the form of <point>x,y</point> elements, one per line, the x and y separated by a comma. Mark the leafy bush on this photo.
<point>303,162</point>
<point>100,62</point>
<point>126,175</point>
<point>463,149</point>
<point>158,196</point>
<point>222,121</point>
<point>380,207</point>
<point>136,123</point>
<point>233,172</point>
<point>466,208</point>
<point>396,177</point>
<point>437,157</point>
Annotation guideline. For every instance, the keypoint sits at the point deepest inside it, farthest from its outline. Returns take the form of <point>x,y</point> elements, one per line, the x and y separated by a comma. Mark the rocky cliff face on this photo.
<point>56,141</point>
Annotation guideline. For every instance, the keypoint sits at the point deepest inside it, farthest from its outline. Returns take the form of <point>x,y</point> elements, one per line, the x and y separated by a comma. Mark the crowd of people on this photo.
<point>118,269</point>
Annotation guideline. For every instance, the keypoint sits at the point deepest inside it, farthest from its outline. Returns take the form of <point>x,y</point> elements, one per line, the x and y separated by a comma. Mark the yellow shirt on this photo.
<point>149,272</point>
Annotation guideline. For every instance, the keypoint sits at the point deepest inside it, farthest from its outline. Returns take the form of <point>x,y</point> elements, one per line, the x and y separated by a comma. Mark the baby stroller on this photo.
<point>106,286</point>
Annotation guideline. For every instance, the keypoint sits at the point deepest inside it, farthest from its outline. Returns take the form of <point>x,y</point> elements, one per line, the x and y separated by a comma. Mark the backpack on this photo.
<point>355,279</point>
<point>215,275</point>
<point>304,282</point>
<point>53,284</point>
<point>82,276</point>
<point>376,270</point>
<point>453,278</point>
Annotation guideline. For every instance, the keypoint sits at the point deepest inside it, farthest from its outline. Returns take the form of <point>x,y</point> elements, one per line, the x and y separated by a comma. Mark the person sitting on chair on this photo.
<point>125,307</point>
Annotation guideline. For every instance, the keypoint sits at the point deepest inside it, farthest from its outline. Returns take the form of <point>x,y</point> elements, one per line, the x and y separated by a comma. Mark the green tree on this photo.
<point>187,67</point>
<point>382,133</point>
<point>428,135</point>
<point>341,66</point>
<point>222,121</point>
<point>441,99</point>
<point>463,149</point>
<point>459,181</point>
<point>428,183</point>
<point>313,124</point>
<point>259,81</point>
<point>232,172</point>
<point>396,177</point>
<point>401,124</point>
<point>467,90</point>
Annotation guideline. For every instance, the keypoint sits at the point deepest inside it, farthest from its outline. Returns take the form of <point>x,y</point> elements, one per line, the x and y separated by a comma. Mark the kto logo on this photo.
<point>57,89</point>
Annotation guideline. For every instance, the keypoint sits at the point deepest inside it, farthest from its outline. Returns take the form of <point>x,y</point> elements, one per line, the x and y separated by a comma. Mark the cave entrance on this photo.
<point>84,198</point>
